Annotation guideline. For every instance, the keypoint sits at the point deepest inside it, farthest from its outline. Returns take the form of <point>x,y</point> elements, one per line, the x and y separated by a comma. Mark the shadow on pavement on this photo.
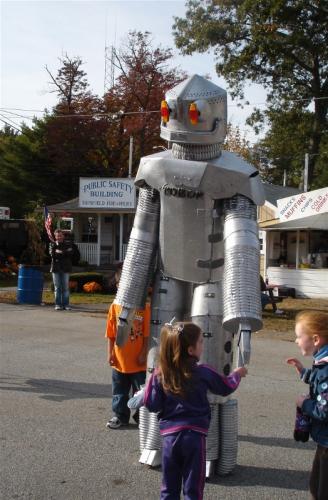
<point>56,390</point>
<point>275,441</point>
<point>245,475</point>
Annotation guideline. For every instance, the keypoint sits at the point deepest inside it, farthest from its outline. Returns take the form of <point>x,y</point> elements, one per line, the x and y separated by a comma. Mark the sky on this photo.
<point>34,34</point>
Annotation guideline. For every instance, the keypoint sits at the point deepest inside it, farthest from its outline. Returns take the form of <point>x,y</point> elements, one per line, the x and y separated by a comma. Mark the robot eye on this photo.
<point>193,113</point>
<point>165,112</point>
<point>199,111</point>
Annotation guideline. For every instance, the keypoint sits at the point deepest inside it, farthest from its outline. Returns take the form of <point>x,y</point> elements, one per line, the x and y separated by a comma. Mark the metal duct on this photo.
<point>141,251</point>
<point>241,277</point>
<point>196,152</point>
<point>228,425</point>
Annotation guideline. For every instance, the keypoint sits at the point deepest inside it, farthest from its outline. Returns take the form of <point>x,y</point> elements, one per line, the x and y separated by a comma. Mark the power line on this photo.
<point>9,124</point>
<point>157,111</point>
<point>117,114</point>
<point>16,114</point>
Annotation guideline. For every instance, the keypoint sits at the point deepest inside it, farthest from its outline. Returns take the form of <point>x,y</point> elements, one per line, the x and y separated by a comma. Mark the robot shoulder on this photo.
<point>222,177</point>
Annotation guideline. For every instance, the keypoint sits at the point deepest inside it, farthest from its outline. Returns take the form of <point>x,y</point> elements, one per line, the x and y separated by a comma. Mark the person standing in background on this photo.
<point>61,253</point>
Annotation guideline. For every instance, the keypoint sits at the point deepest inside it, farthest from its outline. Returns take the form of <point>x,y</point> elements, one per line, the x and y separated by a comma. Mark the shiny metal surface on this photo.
<point>141,252</point>
<point>212,441</point>
<point>228,425</point>
<point>171,298</point>
<point>199,152</point>
<point>206,312</point>
<point>220,178</point>
<point>241,279</point>
<point>211,102</point>
<point>186,252</point>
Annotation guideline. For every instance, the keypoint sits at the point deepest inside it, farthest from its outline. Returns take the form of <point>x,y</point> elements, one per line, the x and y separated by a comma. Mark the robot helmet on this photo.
<point>194,112</point>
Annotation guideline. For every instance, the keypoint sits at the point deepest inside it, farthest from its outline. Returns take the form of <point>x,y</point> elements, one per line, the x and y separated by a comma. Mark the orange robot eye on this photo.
<point>193,113</point>
<point>165,112</point>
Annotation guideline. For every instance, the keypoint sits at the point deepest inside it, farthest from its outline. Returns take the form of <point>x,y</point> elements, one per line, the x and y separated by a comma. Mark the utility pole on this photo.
<point>130,156</point>
<point>306,172</point>
<point>284,182</point>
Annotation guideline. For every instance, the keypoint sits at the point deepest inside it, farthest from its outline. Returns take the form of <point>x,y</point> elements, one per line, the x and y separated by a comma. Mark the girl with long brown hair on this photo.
<point>177,390</point>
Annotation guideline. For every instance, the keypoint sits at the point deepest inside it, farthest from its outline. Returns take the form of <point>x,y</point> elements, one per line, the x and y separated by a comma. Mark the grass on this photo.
<point>75,298</point>
<point>283,326</point>
<point>81,298</point>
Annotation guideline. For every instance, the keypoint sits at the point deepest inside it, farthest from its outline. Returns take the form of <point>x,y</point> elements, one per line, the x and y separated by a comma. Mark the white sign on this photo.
<point>107,193</point>
<point>303,205</point>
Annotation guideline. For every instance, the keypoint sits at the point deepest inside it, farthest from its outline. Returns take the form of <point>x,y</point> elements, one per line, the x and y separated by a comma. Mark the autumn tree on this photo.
<point>236,142</point>
<point>134,101</point>
<point>280,45</point>
<point>70,84</point>
<point>73,129</point>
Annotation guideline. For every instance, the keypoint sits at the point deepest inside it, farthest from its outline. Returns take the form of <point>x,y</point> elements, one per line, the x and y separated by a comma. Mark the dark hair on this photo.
<point>175,363</point>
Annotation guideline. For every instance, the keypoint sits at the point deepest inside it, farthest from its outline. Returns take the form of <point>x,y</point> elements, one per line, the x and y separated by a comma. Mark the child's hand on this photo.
<point>242,371</point>
<point>300,400</point>
<point>295,362</point>
<point>111,359</point>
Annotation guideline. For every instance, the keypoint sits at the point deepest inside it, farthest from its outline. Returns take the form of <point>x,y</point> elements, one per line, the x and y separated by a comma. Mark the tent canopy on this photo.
<point>315,222</point>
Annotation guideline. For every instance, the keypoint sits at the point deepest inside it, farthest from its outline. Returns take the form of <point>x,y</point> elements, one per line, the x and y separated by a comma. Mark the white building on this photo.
<point>295,241</point>
<point>102,217</point>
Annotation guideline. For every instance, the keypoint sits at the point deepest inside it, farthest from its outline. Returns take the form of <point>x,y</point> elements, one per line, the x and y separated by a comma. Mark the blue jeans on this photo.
<point>121,385</point>
<point>265,300</point>
<point>61,288</point>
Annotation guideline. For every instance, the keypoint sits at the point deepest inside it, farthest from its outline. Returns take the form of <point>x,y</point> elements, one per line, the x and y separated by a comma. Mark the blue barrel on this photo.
<point>30,285</point>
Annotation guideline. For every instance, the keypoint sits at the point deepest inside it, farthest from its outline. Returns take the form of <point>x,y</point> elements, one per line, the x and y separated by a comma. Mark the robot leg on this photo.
<point>170,299</point>
<point>206,312</point>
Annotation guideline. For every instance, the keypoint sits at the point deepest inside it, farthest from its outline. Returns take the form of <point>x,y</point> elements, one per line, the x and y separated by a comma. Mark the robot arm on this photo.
<point>241,280</point>
<point>139,261</point>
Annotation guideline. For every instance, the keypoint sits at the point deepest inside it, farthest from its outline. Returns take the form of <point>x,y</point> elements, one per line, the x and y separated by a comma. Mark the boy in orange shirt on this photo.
<point>128,363</point>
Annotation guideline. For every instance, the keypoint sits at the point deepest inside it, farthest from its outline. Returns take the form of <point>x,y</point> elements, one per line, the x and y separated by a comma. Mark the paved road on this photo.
<point>55,397</point>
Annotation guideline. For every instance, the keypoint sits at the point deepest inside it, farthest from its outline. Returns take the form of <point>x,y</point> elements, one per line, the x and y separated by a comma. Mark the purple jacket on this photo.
<point>193,412</point>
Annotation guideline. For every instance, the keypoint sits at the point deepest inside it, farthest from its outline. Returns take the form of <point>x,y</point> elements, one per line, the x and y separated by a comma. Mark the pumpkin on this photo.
<point>6,270</point>
<point>92,287</point>
<point>73,285</point>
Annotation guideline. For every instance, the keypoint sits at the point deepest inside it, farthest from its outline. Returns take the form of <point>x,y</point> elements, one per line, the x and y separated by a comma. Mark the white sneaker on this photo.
<point>58,308</point>
<point>279,311</point>
<point>67,308</point>
<point>115,423</point>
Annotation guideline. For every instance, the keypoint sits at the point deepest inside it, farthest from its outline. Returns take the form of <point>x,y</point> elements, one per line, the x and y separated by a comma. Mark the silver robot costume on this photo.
<point>195,230</point>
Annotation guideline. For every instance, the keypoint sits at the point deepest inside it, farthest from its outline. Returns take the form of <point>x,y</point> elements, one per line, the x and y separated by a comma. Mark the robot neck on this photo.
<point>196,152</point>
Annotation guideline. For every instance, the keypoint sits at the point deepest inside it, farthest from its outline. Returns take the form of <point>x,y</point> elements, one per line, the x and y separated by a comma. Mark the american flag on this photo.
<point>48,224</point>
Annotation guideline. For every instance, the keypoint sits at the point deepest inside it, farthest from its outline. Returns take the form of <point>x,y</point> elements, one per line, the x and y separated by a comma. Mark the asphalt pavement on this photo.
<point>55,401</point>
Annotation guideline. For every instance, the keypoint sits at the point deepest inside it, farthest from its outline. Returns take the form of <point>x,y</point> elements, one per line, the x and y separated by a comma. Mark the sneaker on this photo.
<point>67,308</point>
<point>115,423</point>
<point>279,311</point>
<point>58,308</point>
<point>136,417</point>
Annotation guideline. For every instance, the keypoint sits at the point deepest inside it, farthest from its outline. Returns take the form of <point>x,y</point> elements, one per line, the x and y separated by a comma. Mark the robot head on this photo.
<point>194,112</point>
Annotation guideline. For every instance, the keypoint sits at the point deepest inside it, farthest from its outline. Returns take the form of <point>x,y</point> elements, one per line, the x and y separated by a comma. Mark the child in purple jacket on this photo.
<point>177,390</point>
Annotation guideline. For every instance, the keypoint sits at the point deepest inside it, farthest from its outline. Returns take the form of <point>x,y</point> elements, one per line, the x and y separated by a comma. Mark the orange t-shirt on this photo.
<point>126,357</point>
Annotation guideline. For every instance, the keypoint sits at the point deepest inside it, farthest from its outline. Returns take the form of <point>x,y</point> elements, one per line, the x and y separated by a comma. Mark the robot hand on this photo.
<point>124,326</point>
<point>244,346</point>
